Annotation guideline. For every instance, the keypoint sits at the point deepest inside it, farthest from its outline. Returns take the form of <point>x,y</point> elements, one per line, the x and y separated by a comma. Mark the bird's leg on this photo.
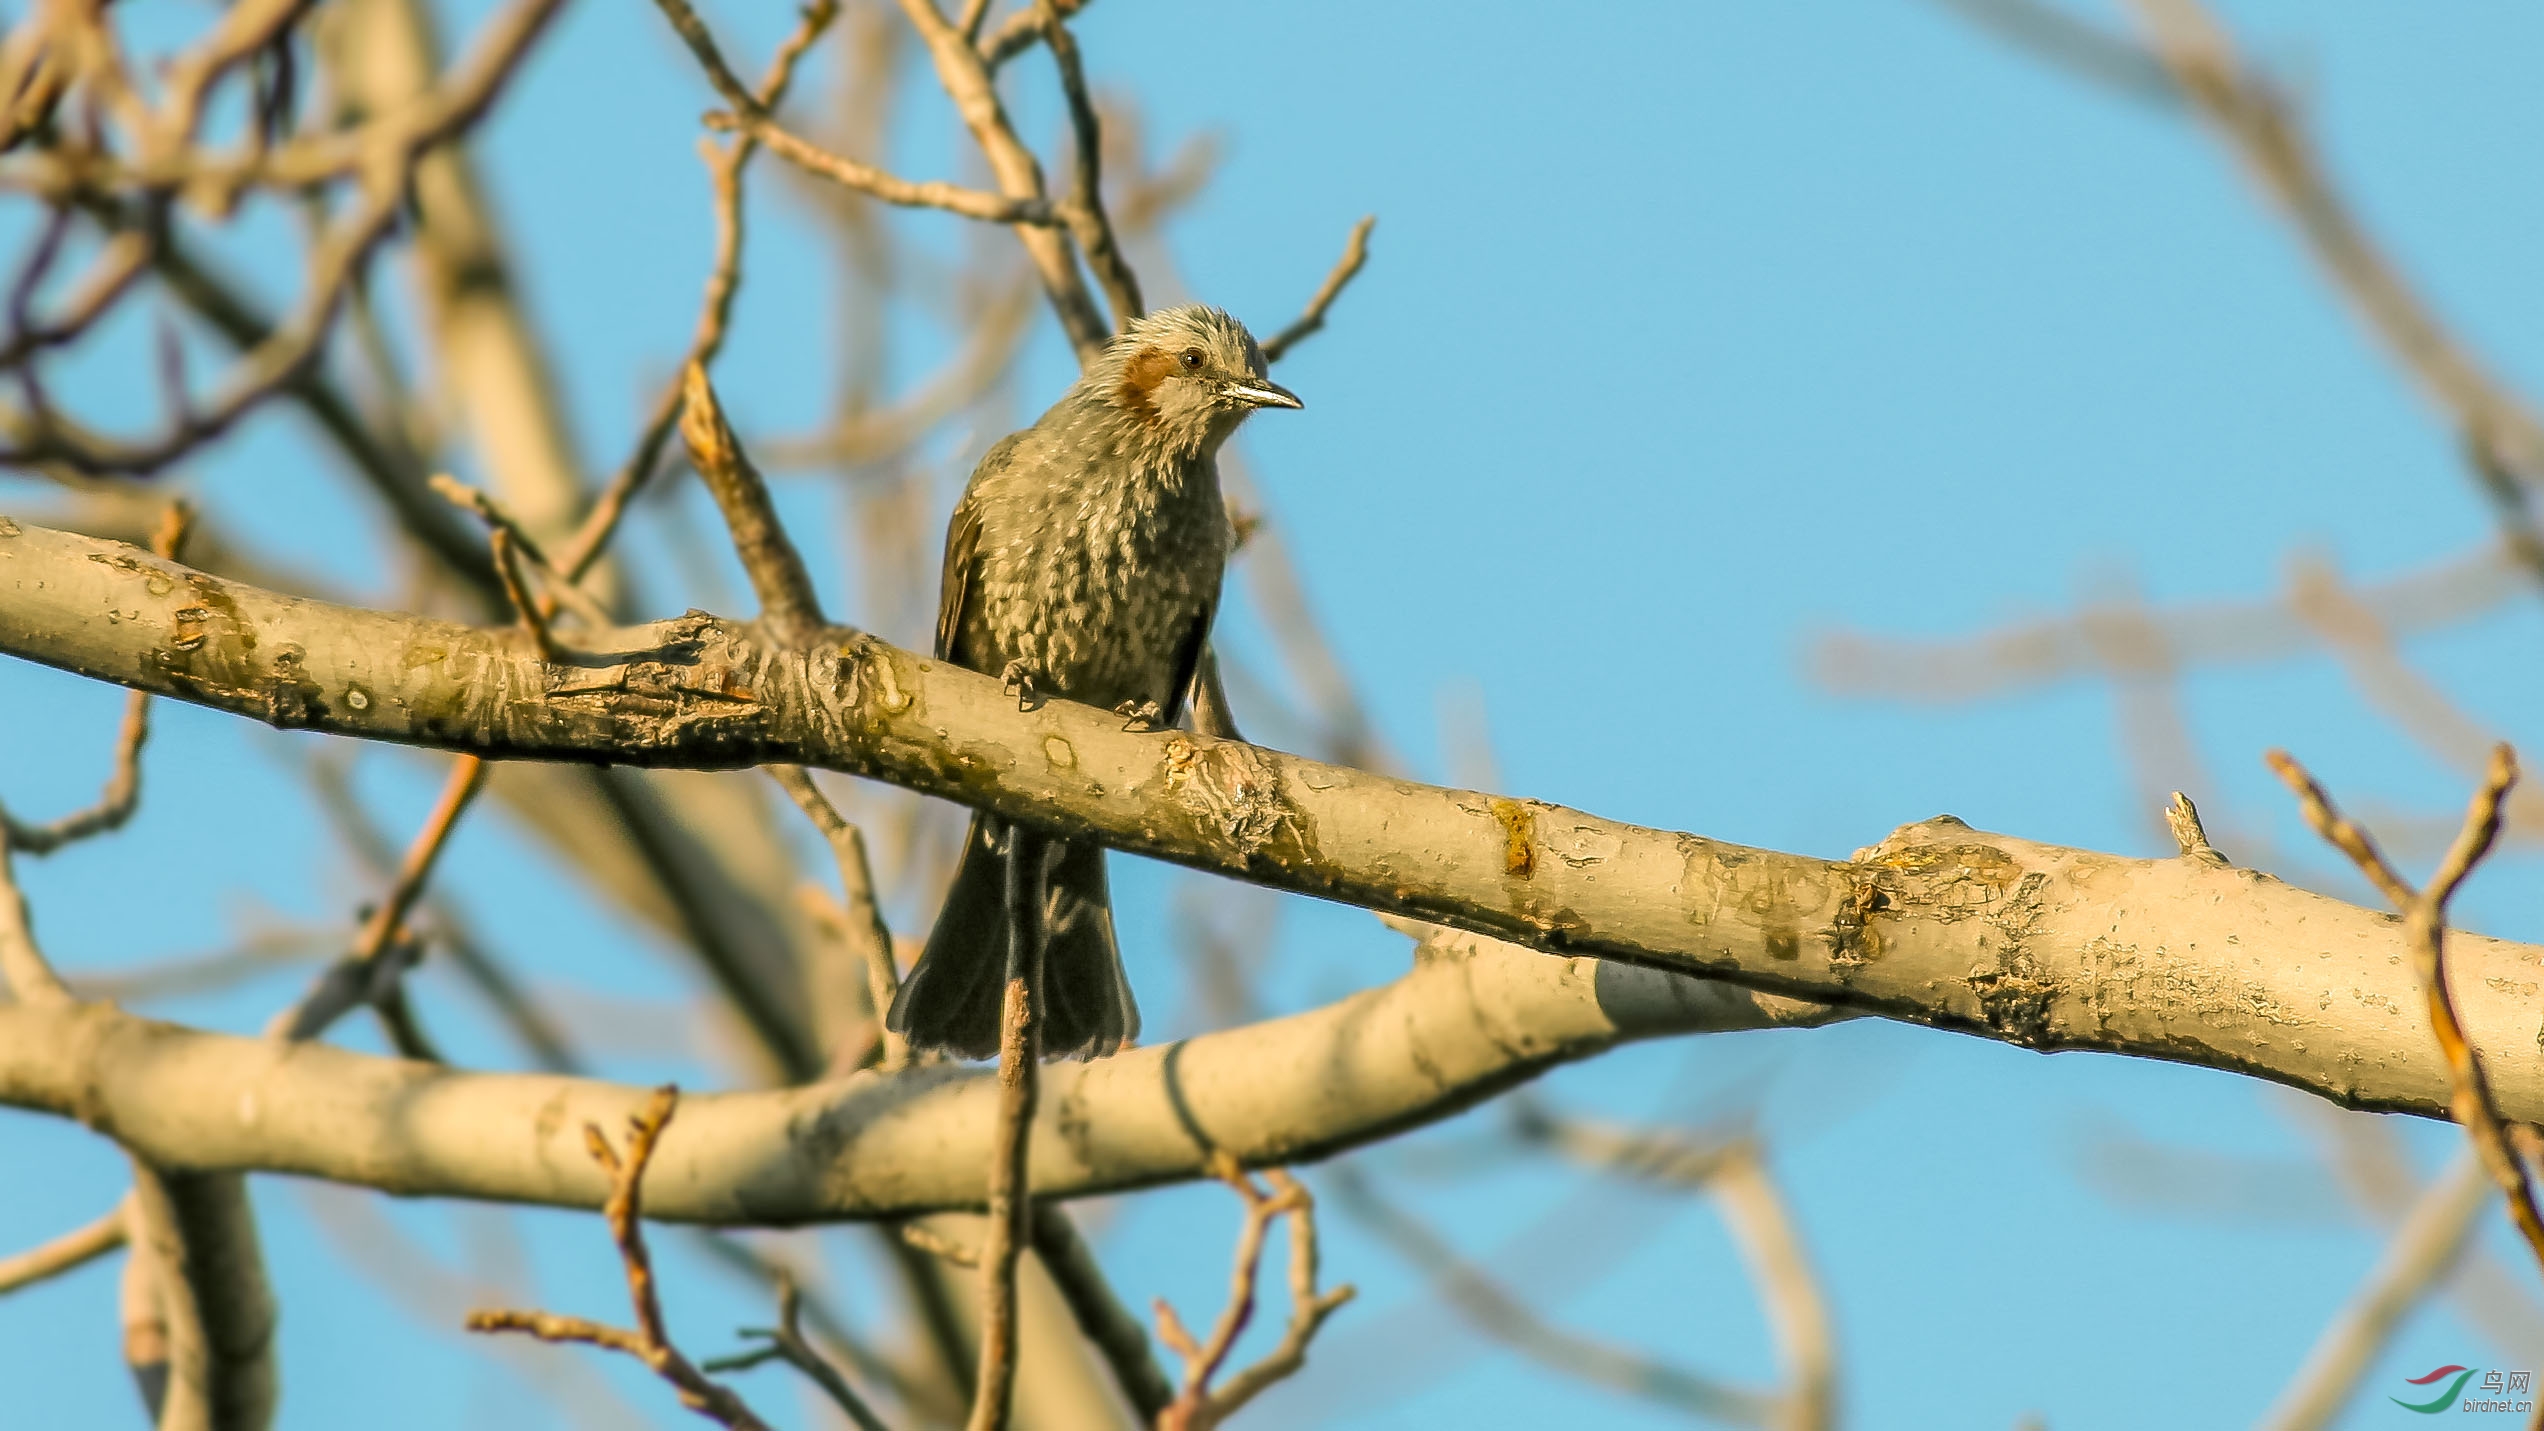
<point>1140,715</point>
<point>1019,678</point>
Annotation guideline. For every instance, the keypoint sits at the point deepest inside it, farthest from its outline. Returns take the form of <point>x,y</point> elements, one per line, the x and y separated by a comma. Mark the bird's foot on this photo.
<point>1140,715</point>
<point>1019,680</point>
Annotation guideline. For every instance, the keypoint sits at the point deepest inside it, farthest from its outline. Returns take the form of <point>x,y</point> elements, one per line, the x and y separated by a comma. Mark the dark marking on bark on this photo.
<point>2017,997</point>
<point>1854,939</point>
<point>292,699</point>
<point>1231,795</point>
<point>1519,837</point>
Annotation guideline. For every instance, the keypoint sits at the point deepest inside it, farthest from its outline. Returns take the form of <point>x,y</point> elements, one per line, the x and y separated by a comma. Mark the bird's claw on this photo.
<point>1140,715</point>
<point>1018,678</point>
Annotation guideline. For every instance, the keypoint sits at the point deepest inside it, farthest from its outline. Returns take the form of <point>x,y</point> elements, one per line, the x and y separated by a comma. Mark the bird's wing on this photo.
<point>962,542</point>
<point>1188,665</point>
<point>962,547</point>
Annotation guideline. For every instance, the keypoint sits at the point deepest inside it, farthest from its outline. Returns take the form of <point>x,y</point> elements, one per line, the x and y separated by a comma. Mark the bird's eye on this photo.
<point>1192,360</point>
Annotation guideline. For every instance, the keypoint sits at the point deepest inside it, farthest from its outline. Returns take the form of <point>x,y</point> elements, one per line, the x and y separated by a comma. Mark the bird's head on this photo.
<point>1189,375</point>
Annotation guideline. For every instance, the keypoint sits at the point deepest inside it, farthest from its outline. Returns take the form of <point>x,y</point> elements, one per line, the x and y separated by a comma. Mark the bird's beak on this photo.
<point>1263,392</point>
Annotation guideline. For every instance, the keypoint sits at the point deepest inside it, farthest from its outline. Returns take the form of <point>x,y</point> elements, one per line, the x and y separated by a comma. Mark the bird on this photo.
<point>1083,563</point>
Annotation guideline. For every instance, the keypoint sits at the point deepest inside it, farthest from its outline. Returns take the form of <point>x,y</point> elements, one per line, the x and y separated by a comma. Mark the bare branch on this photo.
<point>2255,118</point>
<point>785,1342</point>
<point>1019,1089</point>
<point>73,1249</point>
<point>693,33</point>
<point>2074,44</point>
<point>560,591</point>
<point>384,156</point>
<point>967,82</point>
<point>788,605</point>
<point>2431,1240</point>
<point>1471,1020</point>
<point>122,795</point>
<point>370,971</point>
<point>517,591</point>
<point>1790,1291</point>
<point>1198,1405</point>
<point>700,692</point>
<point>22,964</point>
<point>875,183</point>
<point>1355,254</point>
<point>2425,930</point>
<point>1085,210</point>
<point>2038,653</point>
<point>1020,32</point>
<point>1507,1317</point>
<point>648,1342</point>
<point>195,1234</point>
<point>715,308</point>
<point>1106,1322</point>
<point>861,922</point>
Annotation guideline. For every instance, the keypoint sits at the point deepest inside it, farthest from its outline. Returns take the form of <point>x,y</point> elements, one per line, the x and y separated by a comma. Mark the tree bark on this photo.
<point>2041,946</point>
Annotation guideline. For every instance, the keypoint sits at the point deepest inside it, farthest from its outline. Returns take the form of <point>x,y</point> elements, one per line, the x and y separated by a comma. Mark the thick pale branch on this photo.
<point>1471,1020</point>
<point>2036,945</point>
<point>199,1235</point>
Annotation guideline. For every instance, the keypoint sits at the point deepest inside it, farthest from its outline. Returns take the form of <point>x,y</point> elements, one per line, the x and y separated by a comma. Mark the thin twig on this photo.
<point>647,1342</point>
<point>1085,210</point>
<point>2256,119</point>
<point>2422,1252</point>
<point>1507,1317</point>
<point>715,307</point>
<point>22,961</point>
<point>1788,1289</point>
<point>517,591</point>
<point>73,1249</point>
<point>1099,1313</point>
<point>967,82</point>
<point>2425,930</point>
<point>1019,1089</point>
<point>1021,32</point>
<point>383,155</point>
<point>370,972</point>
<point>2189,836</point>
<point>789,607</point>
<point>2075,44</point>
<point>876,183</point>
<point>786,1342</point>
<point>122,795</point>
<point>861,922</point>
<point>538,1032</point>
<point>1198,1405</point>
<point>825,1323</point>
<point>559,591</point>
<point>1355,254</point>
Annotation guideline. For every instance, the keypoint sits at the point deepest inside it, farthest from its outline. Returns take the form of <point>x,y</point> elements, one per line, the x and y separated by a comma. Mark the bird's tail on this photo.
<point>951,999</point>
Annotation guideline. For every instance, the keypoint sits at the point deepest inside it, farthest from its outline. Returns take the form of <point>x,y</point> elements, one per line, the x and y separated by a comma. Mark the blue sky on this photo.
<point>1692,332</point>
